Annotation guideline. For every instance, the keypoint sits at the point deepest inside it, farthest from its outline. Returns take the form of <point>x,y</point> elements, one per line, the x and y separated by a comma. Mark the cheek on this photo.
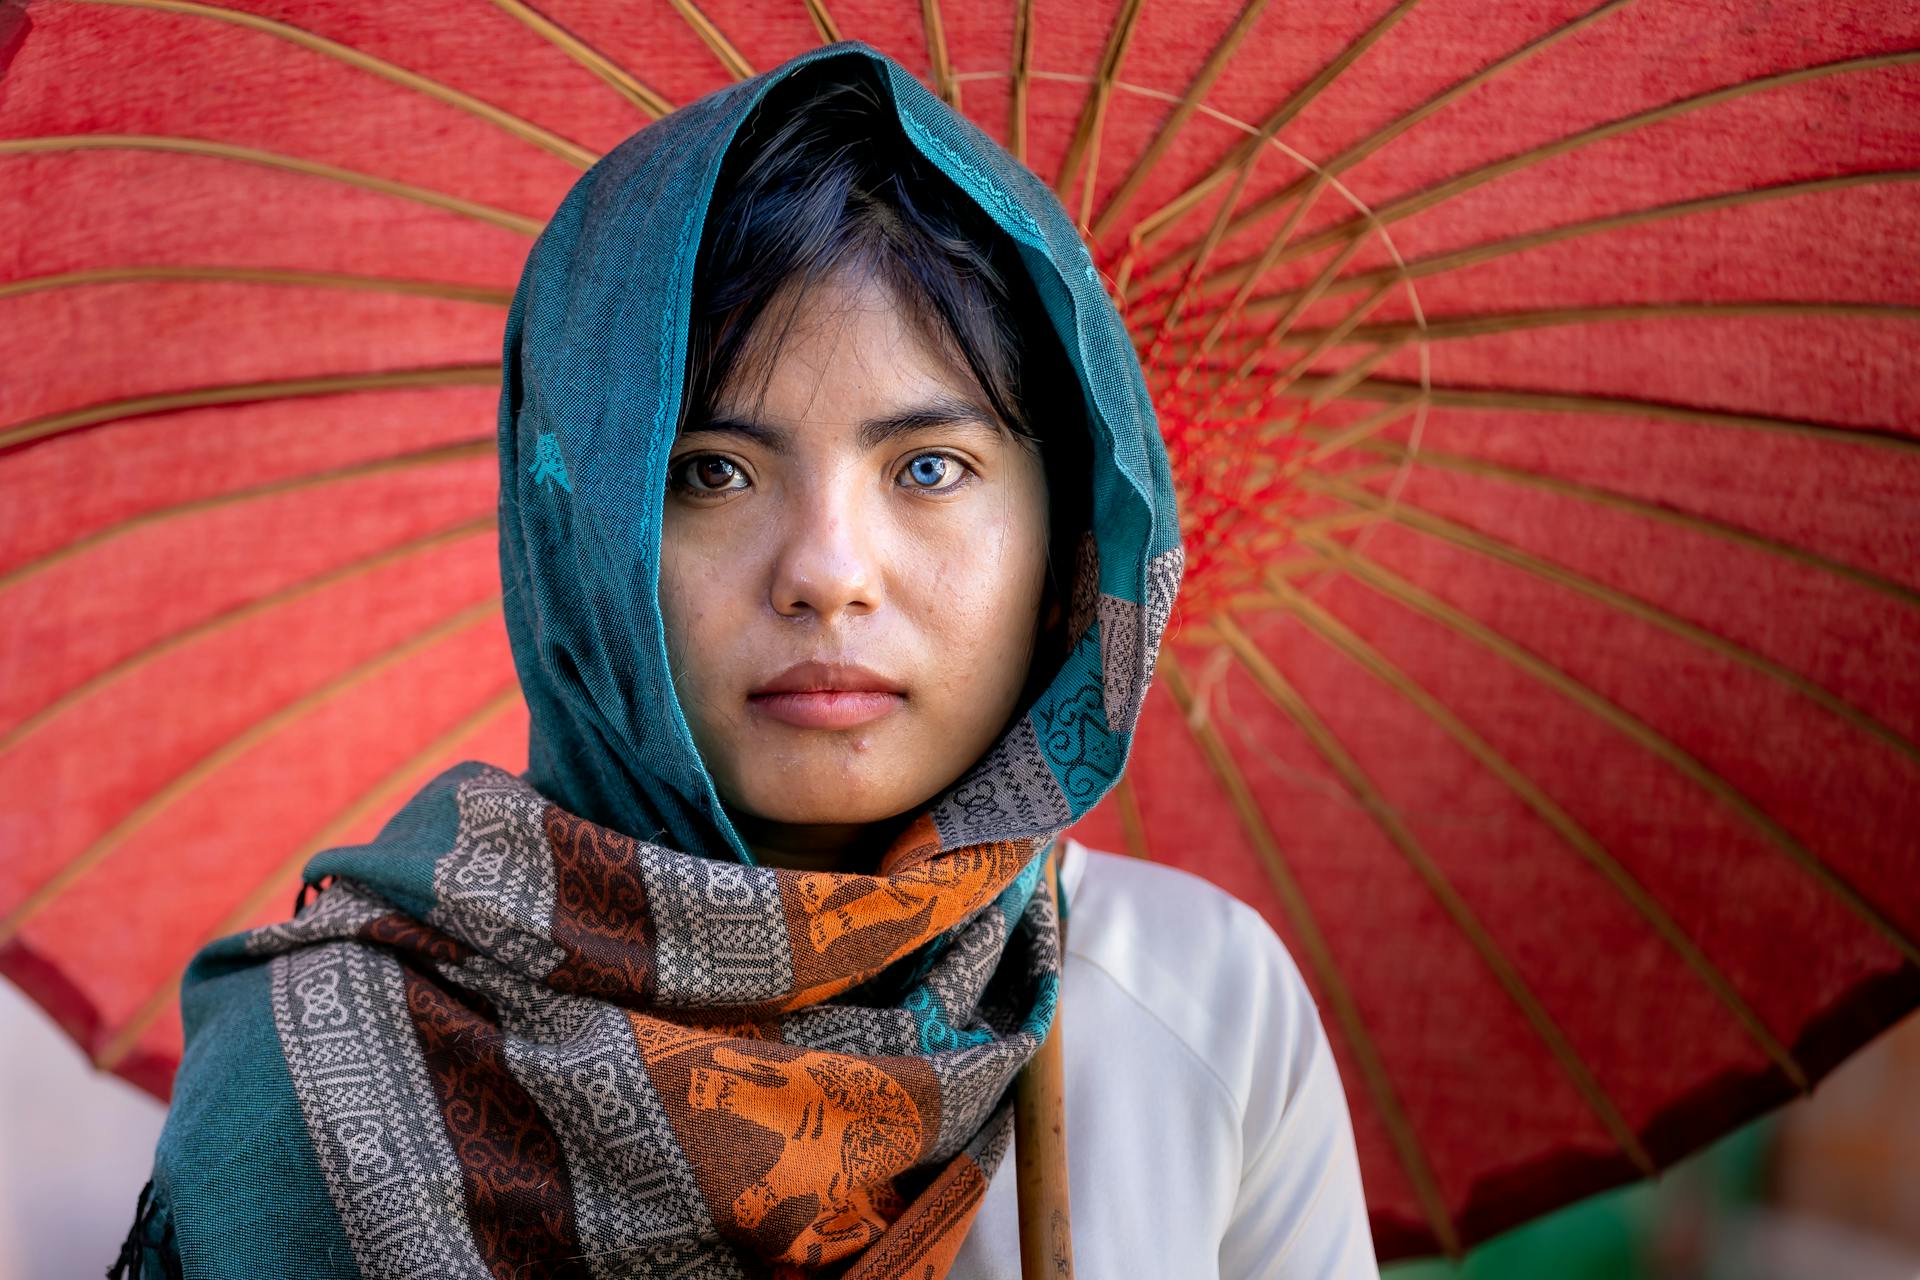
<point>981,591</point>
<point>690,608</point>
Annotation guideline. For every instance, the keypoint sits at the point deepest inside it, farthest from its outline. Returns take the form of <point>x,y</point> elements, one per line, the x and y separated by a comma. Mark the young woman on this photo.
<point>837,542</point>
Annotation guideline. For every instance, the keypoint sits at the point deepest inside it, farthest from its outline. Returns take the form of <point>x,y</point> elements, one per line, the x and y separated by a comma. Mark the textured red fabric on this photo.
<point>1563,724</point>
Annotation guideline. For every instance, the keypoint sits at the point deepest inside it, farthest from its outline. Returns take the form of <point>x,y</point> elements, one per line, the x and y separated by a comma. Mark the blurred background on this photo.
<point>1826,1189</point>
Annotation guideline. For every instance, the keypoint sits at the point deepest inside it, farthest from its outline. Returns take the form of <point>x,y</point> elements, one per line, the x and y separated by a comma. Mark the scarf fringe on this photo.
<point>131,1264</point>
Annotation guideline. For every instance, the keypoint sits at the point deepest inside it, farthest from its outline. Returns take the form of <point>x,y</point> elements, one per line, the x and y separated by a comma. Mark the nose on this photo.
<point>827,562</point>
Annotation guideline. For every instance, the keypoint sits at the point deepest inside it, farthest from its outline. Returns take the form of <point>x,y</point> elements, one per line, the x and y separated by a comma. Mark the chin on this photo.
<point>830,797</point>
<point>828,811</point>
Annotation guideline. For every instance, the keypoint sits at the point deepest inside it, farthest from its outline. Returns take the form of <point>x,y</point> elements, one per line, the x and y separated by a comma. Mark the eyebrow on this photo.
<point>942,411</point>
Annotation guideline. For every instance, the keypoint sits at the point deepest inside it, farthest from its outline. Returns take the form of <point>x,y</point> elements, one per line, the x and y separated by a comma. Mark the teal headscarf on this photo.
<point>534,1024</point>
<point>595,354</point>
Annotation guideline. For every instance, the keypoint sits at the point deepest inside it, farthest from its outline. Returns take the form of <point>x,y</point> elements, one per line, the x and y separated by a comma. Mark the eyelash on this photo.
<point>678,468</point>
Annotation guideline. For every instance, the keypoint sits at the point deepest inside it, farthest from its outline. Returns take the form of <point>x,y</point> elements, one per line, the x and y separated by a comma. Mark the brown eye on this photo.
<point>707,473</point>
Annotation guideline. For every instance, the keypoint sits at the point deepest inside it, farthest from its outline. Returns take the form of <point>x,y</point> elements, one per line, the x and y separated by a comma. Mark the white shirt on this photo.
<point>1207,1131</point>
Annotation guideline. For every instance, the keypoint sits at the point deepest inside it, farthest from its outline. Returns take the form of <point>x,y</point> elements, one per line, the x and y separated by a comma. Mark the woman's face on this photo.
<point>868,511</point>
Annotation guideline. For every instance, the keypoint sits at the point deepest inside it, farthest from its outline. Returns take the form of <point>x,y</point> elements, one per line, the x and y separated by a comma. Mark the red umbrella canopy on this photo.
<point>1540,382</point>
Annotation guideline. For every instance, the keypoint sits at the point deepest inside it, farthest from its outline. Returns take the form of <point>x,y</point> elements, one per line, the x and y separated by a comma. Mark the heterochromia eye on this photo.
<point>930,469</point>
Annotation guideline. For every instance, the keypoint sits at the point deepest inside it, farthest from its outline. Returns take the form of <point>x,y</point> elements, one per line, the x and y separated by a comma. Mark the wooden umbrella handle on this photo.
<point>1040,1150</point>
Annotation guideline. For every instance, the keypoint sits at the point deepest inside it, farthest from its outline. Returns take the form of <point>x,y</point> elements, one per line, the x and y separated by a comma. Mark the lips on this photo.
<point>827,695</point>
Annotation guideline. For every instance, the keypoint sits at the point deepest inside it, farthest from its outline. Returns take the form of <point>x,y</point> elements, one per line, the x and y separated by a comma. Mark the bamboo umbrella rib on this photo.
<point>520,127</point>
<point>1131,825</point>
<point>1460,184</point>
<point>1402,511</point>
<point>823,23</point>
<point>1022,76</point>
<point>1338,384</point>
<point>1176,305</point>
<point>1313,291</point>
<point>1301,566</point>
<point>1289,700</point>
<point>1474,255</point>
<point>1569,402</point>
<point>1189,285</point>
<point>1334,336</point>
<point>1197,89</point>
<point>1391,338</point>
<point>611,73</point>
<point>1361,150</point>
<point>1242,152</point>
<point>1464,464</point>
<point>943,82</point>
<point>1119,290</point>
<point>1460,327</point>
<point>1263,602</point>
<point>1451,328</point>
<point>710,35</point>
<point>1308,296</point>
<point>273,160</point>
<point>1335,522</point>
<point>429,456</point>
<point>1316,563</point>
<point>1352,435</point>
<point>196,774</point>
<point>1615,406</point>
<point>1638,732</point>
<point>1297,567</point>
<point>1366,1054</point>
<point>374,800</point>
<point>237,392</point>
<point>142,274</point>
<point>1336,633</point>
<point>1231,311</point>
<point>1093,111</point>
<point>293,592</point>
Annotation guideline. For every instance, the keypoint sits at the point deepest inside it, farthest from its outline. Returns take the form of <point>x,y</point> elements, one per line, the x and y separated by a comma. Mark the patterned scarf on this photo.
<point>560,1023</point>
<point>594,1055</point>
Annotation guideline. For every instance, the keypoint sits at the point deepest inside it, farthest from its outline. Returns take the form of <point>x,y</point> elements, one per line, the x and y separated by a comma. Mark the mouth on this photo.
<point>821,695</point>
<point>826,708</point>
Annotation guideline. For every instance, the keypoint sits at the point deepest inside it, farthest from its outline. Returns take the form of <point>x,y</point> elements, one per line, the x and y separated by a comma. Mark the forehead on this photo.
<point>840,351</point>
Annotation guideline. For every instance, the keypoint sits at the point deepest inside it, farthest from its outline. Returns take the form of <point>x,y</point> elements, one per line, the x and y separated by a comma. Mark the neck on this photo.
<point>850,848</point>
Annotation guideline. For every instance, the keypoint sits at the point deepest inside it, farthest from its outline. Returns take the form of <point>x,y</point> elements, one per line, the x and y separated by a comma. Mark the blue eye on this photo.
<point>928,470</point>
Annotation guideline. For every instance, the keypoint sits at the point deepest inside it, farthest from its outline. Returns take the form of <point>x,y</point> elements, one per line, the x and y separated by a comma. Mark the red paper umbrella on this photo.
<point>1541,383</point>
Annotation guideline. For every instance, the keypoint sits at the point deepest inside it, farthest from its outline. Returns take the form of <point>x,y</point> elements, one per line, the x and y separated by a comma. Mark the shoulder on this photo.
<point>1211,969</point>
<point>1143,897</point>
<point>1200,960</point>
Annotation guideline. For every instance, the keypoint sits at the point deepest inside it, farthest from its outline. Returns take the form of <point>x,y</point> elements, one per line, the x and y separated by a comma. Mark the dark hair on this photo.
<point>821,178</point>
